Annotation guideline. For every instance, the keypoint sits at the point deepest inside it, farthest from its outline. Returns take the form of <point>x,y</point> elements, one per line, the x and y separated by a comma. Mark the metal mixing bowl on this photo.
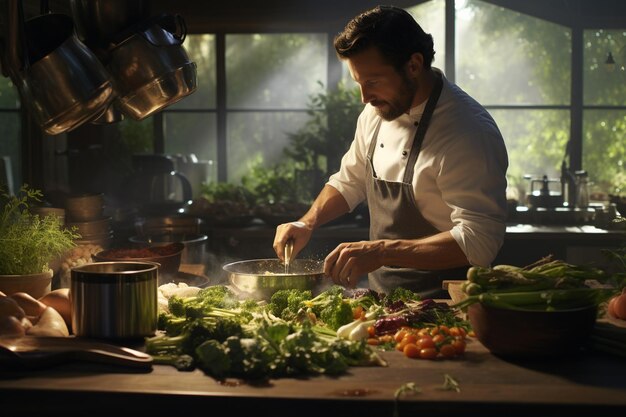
<point>260,278</point>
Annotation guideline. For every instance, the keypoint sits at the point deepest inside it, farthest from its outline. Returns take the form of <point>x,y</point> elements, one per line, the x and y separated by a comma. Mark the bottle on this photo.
<point>582,189</point>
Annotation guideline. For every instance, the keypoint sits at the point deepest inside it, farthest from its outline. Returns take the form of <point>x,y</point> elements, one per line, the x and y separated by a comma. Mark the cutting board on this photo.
<point>31,352</point>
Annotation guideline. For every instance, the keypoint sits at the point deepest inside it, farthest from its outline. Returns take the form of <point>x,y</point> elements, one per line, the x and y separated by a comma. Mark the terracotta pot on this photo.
<point>37,285</point>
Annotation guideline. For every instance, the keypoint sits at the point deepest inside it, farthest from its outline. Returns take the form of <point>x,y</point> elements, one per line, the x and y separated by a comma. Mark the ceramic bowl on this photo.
<point>532,334</point>
<point>168,257</point>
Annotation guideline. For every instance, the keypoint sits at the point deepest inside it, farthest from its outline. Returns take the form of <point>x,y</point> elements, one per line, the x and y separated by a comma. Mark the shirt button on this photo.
<point>382,145</point>
<point>404,153</point>
<point>416,123</point>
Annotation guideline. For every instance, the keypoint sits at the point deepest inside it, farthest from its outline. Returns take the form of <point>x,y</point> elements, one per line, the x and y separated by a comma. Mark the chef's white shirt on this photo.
<point>459,181</point>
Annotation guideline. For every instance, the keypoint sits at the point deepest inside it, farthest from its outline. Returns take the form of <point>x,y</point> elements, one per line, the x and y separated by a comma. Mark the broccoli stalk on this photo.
<point>193,334</point>
<point>182,362</point>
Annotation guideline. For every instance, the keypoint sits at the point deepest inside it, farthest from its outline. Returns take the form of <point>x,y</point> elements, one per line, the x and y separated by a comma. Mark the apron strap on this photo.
<point>421,129</point>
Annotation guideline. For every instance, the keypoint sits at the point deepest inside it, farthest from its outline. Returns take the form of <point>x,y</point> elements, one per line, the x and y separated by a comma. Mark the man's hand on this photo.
<point>349,261</point>
<point>298,232</point>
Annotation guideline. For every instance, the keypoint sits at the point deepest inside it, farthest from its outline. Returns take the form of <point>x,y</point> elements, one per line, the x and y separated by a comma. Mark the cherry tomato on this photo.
<point>443,329</point>
<point>423,332</point>
<point>373,341</point>
<point>447,350</point>
<point>371,331</point>
<point>459,346</point>
<point>386,338</point>
<point>411,351</point>
<point>456,331</point>
<point>428,353</point>
<point>425,342</point>
<point>439,338</point>
<point>357,312</point>
<point>409,338</point>
<point>399,335</point>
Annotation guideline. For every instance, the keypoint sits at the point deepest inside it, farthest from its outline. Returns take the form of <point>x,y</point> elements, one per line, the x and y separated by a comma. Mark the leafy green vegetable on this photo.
<point>28,243</point>
<point>248,341</point>
<point>401,294</point>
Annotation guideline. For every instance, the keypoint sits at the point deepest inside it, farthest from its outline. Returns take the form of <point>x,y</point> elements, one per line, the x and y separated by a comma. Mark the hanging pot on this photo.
<point>60,80</point>
<point>98,21</point>
<point>150,68</point>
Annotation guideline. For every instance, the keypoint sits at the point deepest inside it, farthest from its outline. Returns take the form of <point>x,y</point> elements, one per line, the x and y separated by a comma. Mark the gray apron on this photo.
<point>394,215</point>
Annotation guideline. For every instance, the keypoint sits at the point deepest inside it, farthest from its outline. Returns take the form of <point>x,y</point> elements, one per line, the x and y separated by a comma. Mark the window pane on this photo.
<point>535,141</point>
<point>431,17</point>
<point>272,71</point>
<point>505,57</point>
<point>201,50</point>
<point>604,150</point>
<point>9,98</point>
<point>10,145</point>
<point>137,136</point>
<point>193,133</point>
<point>259,137</point>
<point>604,84</point>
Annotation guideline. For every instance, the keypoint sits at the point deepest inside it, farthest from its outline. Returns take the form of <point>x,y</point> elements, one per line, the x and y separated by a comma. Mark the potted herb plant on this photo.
<point>29,243</point>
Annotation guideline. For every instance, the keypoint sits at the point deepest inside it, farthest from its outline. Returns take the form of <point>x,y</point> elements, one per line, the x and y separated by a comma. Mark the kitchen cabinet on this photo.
<point>579,385</point>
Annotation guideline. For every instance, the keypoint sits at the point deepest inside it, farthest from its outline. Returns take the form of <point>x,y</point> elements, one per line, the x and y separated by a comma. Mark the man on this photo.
<point>428,159</point>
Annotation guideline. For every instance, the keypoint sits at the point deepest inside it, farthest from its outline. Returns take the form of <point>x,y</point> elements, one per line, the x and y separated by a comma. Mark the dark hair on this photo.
<point>392,30</point>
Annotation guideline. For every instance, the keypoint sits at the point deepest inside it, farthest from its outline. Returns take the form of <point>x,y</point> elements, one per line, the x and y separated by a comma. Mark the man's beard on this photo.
<point>400,104</point>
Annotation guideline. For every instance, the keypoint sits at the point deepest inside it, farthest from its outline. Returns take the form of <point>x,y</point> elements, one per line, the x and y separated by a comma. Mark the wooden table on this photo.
<point>585,385</point>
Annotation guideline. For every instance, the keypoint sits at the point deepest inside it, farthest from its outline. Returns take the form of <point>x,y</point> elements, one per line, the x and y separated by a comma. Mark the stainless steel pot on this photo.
<point>260,278</point>
<point>114,300</point>
<point>60,80</point>
<point>150,68</point>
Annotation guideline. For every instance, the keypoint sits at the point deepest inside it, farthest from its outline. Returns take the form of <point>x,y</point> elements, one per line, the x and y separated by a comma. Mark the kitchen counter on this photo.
<point>582,385</point>
<point>523,243</point>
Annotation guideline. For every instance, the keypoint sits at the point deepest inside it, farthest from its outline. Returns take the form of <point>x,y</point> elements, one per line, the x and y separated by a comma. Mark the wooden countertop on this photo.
<point>584,385</point>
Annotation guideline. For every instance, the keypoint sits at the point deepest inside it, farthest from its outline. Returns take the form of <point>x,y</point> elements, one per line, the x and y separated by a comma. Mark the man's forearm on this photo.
<point>328,205</point>
<point>435,252</point>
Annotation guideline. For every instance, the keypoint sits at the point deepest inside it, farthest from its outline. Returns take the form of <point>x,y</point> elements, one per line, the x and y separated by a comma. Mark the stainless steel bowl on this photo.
<point>260,278</point>
<point>116,300</point>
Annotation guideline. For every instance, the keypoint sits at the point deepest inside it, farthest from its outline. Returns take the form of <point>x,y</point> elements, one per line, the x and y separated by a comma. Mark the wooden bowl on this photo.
<point>529,333</point>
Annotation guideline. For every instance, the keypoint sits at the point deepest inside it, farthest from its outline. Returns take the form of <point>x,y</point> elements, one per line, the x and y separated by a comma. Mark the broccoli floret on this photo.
<point>336,313</point>
<point>331,308</point>
<point>185,306</point>
<point>219,296</point>
<point>287,302</point>
<point>213,359</point>
<point>173,325</point>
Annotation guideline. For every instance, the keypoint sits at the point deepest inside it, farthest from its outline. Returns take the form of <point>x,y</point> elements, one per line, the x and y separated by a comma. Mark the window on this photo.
<point>268,81</point>
<point>10,127</point>
<point>518,67</point>
<point>604,112</point>
<point>253,91</point>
